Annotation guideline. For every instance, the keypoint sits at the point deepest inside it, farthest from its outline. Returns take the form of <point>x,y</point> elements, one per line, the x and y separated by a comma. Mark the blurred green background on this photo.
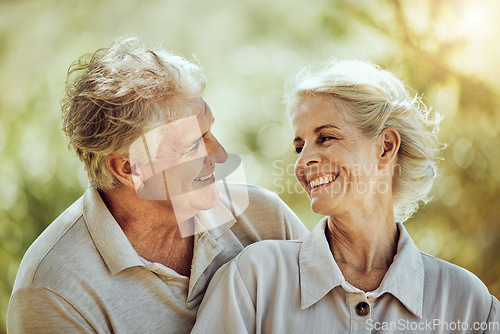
<point>447,50</point>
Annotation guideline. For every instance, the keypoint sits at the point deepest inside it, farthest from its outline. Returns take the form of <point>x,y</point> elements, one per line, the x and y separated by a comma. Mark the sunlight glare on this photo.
<point>475,20</point>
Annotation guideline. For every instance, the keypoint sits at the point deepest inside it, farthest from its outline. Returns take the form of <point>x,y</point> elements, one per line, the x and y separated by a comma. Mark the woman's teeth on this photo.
<point>322,181</point>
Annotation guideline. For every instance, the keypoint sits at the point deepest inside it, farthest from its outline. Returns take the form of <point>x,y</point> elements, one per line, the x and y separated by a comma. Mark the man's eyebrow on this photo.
<point>194,142</point>
<point>296,139</point>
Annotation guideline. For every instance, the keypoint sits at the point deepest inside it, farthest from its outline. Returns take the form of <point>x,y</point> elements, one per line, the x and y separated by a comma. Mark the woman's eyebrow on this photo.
<point>318,129</point>
<point>327,126</point>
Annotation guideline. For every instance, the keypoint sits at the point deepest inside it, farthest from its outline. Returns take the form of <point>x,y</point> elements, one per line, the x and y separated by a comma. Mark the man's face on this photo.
<point>175,162</point>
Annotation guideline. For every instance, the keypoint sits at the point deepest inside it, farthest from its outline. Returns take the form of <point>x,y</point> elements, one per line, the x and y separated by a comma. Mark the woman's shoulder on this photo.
<point>448,278</point>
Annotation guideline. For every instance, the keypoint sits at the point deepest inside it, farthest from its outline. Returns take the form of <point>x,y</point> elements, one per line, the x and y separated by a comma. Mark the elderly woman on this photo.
<point>366,157</point>
<point>135,253</point>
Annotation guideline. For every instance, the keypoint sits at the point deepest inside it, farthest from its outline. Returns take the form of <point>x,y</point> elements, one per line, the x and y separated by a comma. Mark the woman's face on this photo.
<point>337,164</point>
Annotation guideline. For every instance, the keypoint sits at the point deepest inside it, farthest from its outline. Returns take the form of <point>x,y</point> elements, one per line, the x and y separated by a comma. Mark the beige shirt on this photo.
<point>296,287</point>
<point>82,274</point>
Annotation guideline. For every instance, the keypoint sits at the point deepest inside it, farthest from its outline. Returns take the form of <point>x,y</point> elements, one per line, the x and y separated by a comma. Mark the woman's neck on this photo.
<point>363,247</point>
<point>367,246</point>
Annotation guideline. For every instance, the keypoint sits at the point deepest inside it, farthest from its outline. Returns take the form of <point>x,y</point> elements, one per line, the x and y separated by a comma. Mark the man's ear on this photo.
<point>390,141</point>
<point>119,166</point>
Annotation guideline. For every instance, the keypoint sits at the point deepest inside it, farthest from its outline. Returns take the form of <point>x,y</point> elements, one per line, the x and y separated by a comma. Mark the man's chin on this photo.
<point>190,204</point>
<point>205,198</point>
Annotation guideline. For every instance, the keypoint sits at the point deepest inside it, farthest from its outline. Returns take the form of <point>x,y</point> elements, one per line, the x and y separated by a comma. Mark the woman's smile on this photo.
<point>317,182</point>
<point>336,162</point>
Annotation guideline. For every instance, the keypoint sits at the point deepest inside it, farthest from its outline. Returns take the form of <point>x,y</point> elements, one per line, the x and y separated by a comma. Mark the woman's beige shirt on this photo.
<point>296,287</point>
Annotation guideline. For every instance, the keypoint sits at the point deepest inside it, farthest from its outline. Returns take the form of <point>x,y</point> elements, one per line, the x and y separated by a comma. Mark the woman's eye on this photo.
<point>323,139</point>
<point>298,149</point>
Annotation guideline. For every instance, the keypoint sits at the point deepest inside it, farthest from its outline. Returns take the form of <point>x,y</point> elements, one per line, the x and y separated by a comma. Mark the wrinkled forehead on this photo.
<point>203,112</point>
<point>186,127</point>
<point>176,131</point>
<point>177,135</point>
<point>321,107</point>
<point>197,108</point>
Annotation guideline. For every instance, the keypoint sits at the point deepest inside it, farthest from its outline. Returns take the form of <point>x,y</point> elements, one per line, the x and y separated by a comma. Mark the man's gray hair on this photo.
<point>117,94</point>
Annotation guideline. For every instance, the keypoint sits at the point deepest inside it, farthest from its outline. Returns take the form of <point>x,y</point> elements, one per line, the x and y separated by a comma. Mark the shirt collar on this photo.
<point>208,223</point>
<point>319,273</point>
<point>111,242</point>
<point>215,221</point>
<point>405,277</point>
<point>115,248</point>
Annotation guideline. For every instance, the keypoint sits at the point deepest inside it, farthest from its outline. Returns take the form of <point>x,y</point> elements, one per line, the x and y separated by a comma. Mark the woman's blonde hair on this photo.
<point>118,93</point>
<point>376,100</point>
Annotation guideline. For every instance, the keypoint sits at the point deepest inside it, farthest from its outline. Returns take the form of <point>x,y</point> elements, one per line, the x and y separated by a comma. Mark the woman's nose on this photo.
<point>308,156</point>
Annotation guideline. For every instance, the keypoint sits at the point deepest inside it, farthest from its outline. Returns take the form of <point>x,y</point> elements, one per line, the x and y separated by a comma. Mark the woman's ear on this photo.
<point>390,141</point>
<point>119,166</point>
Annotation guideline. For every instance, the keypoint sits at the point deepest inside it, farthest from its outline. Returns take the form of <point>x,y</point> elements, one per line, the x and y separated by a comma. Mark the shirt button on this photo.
<point>362,309</point>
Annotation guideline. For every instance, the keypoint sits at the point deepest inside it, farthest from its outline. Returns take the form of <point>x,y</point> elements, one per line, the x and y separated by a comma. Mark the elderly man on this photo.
<point>135,253</point>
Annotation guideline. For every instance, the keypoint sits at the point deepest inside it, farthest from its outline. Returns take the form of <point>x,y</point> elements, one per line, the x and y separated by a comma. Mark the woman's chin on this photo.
<point>321,207</point>
<point>317,208</point>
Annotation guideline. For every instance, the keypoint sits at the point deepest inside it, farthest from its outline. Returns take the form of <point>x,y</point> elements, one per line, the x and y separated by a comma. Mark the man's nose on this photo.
<point>216,151</point>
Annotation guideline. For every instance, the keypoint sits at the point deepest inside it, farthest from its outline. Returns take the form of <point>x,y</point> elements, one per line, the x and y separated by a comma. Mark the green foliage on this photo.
<point>249,49</point>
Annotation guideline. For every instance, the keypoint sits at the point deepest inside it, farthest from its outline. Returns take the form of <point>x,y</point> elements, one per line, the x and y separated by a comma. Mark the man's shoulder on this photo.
<point>42,252</point>
<point>255,194</point>
<point>267,254</point>
<point>253,199</point>
<point>266,263</point>
<point>263,216</point>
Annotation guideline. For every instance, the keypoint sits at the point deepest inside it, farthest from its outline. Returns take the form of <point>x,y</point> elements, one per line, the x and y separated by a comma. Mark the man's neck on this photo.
<point>151,228</point>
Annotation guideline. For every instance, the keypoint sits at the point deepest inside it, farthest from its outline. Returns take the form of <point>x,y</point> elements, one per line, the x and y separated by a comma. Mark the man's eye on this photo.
<point>298,149</point>
<point>195,147</point>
